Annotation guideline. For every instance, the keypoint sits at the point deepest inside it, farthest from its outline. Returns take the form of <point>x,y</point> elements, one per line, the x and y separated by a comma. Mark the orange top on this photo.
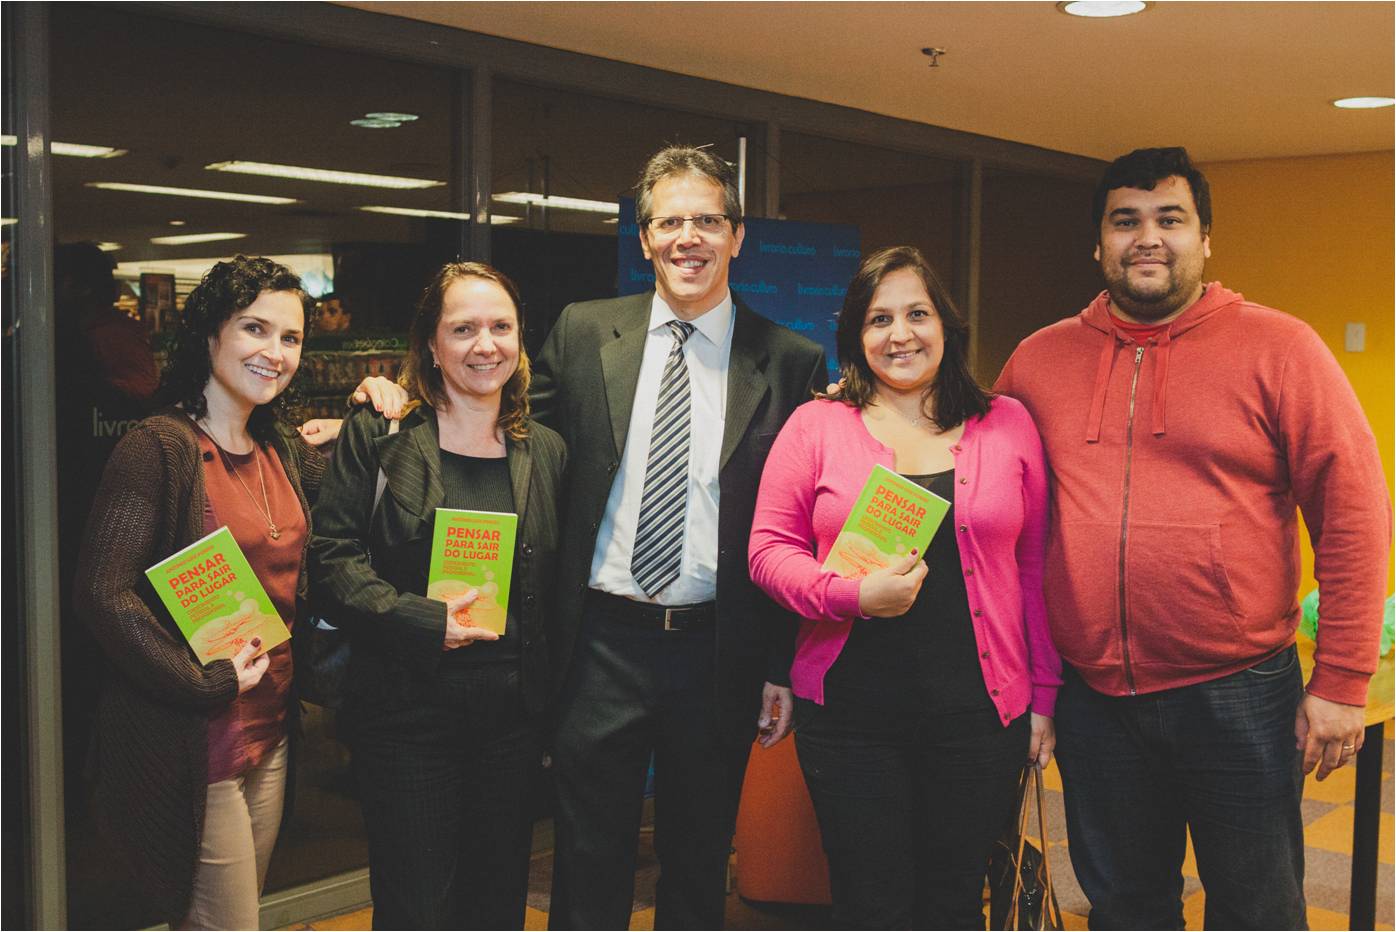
<point>255,722</point>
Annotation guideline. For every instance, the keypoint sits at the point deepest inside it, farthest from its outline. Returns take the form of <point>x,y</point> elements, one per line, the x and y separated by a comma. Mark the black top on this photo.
<point>921,668</point>
<point>481,484</point>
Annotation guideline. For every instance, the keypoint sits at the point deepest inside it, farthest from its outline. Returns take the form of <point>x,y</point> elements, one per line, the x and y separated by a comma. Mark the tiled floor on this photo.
<point>1328,837</point>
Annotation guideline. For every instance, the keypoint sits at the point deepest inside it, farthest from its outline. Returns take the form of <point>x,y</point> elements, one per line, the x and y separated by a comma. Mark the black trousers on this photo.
<point>446,792</point>
<point>631,691</point>
<point>909,819</point>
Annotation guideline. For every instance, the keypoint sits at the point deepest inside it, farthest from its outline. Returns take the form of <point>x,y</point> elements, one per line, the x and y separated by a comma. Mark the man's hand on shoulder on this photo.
<point>1328,733</point>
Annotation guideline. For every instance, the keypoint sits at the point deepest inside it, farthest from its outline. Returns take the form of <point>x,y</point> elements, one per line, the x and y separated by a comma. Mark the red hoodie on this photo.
<point>1177,464</point>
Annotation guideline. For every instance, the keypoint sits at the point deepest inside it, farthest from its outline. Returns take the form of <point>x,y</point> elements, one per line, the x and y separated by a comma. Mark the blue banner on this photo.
<point>790,272</point>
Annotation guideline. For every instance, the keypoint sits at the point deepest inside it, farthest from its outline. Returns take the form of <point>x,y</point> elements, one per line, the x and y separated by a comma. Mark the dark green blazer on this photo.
<point>362,581</point>
<point>584,386</point>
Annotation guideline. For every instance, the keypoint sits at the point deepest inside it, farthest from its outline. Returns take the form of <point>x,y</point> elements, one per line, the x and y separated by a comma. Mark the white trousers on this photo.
<point>241,820</point>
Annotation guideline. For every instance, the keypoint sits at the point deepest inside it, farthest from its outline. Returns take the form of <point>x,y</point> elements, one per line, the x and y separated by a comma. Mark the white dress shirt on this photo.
<point>706,353</point>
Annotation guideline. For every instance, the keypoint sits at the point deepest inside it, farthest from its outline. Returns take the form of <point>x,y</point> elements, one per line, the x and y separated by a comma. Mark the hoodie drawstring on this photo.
<point>1162,347</point>
<point>1102,382</point>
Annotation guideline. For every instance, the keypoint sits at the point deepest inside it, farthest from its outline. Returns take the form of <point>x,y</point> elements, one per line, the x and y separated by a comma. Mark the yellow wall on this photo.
<point>1313,237</point>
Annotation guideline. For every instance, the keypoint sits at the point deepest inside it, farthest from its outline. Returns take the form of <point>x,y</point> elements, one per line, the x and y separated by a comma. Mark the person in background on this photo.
<point>105,381</point>
<point>1184,424</point>
<point>443,718</point>
<point>921,689</point>
<point>191,759</point>
<point>330,314</point>
<point>668,401</point>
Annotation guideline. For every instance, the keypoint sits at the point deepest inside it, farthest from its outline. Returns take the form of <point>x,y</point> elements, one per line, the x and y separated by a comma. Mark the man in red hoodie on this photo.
<point>1183,426</point>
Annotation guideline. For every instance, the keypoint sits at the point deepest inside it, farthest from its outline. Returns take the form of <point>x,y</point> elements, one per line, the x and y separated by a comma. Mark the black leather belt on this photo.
<point>663,617</point>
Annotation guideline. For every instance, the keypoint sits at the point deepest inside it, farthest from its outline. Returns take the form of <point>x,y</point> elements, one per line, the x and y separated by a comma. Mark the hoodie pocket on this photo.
<point>1082,596</point>
<point>1182,612</point>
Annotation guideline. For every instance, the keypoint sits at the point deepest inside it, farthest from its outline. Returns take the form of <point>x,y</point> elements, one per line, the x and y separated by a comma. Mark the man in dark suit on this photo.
<point>669,402</point>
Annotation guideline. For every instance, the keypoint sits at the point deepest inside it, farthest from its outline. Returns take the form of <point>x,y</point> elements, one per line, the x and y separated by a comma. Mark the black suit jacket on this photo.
<point>584,386</point>
<point>362,581</point>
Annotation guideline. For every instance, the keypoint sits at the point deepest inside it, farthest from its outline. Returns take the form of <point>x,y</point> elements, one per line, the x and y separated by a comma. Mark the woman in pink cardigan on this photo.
<point>920,689</point>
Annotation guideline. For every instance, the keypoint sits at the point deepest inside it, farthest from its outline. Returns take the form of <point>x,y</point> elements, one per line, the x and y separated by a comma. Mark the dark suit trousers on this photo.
<point>631,691</point>
<point>445,787</point>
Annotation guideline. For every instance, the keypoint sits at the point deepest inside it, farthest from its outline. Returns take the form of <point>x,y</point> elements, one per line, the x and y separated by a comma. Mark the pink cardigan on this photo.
<point>813,475</point>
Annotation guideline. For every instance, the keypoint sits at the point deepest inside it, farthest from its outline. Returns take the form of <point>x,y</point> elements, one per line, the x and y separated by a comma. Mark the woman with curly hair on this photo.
<point>191,759</point>
<point>443,717</point>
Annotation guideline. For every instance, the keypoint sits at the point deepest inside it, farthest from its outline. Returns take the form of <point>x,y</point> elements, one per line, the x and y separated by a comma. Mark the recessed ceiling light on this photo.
<point>389,115</point>
<point>186,238</point>
<point>1363,103</point>
<point>375,124</point>
<point>109,247</point>
<point>562,203</point>
<point>178,223</point>
<point>191,192</point>
<point>328,175</point>
<point>1099,9</point>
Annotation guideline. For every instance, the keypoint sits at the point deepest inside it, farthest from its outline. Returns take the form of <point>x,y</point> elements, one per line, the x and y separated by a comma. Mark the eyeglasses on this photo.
<point>703,223</point>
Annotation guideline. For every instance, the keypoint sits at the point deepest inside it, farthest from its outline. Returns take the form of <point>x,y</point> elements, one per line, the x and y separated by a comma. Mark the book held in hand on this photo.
<point>892,516</point>
<point>214,598</point>
<point>474,550</point>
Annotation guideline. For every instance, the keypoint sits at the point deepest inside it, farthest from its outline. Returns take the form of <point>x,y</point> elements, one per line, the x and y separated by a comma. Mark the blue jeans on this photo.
<point>1216,758</point>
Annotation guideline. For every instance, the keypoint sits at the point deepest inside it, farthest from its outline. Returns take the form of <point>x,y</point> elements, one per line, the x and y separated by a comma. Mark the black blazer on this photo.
<point>359,576</point>
<point>584,385</point>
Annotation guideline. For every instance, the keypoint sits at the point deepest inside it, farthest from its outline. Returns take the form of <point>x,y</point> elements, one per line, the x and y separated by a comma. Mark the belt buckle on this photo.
<point>670,622</point>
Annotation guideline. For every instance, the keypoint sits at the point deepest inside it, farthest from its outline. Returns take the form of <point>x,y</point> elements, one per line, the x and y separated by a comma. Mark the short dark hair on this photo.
<point>83,271</point>
<point>1143,169</point>
<point>683,160</point>
<point>225,289</point>
<point>422,379</point>
<point>958,397</point>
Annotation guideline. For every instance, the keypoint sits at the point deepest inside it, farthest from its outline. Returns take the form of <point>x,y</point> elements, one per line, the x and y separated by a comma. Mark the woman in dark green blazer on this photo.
<point>444,718</point>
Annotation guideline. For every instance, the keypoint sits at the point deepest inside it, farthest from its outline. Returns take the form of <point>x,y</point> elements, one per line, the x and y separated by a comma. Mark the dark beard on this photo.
<point>1149,307</point>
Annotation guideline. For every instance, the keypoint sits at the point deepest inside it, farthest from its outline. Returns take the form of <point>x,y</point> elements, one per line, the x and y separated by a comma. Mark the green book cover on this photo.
<point>215,599</point>
<point>892,515</point>
<point>474,550</point>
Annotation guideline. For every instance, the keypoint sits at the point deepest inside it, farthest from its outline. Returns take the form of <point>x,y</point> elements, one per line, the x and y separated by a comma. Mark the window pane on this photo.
<point>175,99</point>
<point>894,198</point>
<point>566,144</point>
<point>1035,267</point>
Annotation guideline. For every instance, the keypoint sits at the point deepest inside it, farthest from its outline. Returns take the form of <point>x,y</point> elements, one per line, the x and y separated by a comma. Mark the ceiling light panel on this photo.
<point>560,203</point>
<point>185,239</point>
<point>191,192</point>
<point>326,175</point>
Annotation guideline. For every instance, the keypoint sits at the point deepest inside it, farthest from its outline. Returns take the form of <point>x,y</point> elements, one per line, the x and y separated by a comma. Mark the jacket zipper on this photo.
<point>1124,523</point>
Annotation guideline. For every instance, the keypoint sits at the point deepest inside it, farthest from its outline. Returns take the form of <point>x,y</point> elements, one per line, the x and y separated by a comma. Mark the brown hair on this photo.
<point>684,160</point>
<point>957,397</point>
<point>422,379</point>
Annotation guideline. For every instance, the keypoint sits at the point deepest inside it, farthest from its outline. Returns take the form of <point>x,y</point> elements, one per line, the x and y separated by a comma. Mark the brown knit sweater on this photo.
<point>151,731</point>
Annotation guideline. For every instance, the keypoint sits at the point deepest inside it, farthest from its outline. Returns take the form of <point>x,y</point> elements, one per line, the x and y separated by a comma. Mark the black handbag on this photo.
<point>320,649</point>
<point>1021,895</point>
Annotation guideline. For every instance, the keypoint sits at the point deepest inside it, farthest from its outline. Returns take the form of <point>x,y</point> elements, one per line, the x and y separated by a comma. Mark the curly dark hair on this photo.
<point>422,379</point>
<point>955,395</point>
<point>227,288</point>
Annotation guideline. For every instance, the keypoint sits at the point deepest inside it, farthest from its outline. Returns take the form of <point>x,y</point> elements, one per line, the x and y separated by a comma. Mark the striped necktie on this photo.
<point>659,533</point>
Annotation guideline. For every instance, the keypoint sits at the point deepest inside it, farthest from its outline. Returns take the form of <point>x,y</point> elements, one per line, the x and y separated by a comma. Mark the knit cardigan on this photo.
<point>151,729</point>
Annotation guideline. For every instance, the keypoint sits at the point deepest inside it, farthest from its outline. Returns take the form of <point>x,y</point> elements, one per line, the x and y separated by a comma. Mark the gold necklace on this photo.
<point>273,531</point>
